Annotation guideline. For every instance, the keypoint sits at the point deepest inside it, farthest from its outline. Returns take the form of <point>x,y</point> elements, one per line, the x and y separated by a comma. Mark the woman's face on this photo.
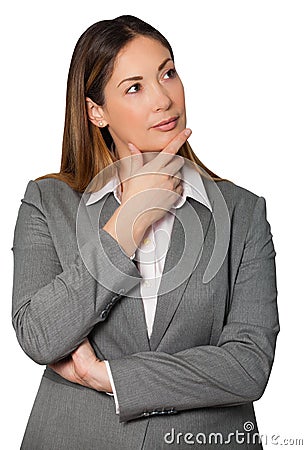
<point>143,91</point>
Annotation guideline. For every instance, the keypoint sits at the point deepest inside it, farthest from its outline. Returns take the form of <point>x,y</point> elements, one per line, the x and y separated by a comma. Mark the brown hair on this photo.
<point>86,148</point>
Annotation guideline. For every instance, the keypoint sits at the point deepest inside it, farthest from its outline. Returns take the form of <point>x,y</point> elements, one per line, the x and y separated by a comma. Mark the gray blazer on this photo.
<point>212,346</point>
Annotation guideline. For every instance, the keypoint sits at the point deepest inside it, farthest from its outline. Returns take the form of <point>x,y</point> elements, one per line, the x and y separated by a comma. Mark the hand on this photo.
<point>83,367</point>
<point>149,192</point>
<point>155,185</point>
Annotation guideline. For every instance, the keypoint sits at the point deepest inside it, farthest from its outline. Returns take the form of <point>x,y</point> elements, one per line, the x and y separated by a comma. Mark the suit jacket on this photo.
<point>212,345</point>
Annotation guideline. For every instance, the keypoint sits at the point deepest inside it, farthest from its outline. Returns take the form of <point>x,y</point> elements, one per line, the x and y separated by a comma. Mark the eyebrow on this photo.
<point>138,77</point>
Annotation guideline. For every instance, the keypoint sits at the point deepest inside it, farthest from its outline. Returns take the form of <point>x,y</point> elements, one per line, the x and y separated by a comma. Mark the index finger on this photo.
<point>167,154</point>
<point>177,142</point>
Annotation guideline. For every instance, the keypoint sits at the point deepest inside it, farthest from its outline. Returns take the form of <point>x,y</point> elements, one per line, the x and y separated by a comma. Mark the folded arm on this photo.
<point>233,372</point>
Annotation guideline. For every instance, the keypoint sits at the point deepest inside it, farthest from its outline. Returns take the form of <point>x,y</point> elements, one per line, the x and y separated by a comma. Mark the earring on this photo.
<point>100,123</point>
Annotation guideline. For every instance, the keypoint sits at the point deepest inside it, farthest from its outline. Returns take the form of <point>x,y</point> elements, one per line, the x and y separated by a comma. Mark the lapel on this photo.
<point>187,244</point>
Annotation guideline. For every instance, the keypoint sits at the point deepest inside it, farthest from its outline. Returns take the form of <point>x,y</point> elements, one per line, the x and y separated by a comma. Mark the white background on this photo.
<point>243,64</point>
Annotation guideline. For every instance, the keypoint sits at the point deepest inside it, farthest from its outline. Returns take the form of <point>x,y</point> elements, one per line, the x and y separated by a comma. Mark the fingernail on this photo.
<point>131,147</point>
<point>188,132</point>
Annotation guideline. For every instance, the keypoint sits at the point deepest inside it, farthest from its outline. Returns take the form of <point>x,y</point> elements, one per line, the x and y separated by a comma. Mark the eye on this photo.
<point>136,87</point>
<point>171,73</point>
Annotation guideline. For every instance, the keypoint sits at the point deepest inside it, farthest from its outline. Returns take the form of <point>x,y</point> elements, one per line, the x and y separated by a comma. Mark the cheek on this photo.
<point>179,95</point>
<point>126,116</point>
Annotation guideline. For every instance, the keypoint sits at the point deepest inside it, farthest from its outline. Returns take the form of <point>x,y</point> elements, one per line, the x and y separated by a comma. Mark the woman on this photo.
<point>139,355</point>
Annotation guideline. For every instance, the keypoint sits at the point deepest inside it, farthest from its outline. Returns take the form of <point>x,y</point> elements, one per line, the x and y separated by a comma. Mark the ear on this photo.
<point>95,113</point>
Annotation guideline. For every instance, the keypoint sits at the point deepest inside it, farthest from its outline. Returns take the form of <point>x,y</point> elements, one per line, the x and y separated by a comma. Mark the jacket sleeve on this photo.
<point>53,309</point>
<point>233,372</point>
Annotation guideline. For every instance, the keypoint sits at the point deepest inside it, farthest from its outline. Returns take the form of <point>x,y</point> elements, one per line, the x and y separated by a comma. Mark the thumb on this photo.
<point>137,160</point>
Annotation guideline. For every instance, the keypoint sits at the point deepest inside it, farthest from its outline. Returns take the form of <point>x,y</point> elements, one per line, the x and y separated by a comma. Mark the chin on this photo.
<point>162,141</point>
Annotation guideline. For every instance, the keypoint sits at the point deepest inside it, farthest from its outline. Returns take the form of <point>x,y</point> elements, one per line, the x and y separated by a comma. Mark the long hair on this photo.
<point>86,148</point>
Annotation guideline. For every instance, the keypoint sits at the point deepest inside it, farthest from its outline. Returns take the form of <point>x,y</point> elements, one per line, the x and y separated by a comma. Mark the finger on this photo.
<point>83,344</point>
<point>137,157</point>
<point>167,154</point>
<point>177,178</point>
<point>130,165</point>
<point>177,142</point>
<point>176,163</point>
<point>179,188</point>
<point>84,350</point>
<point>133,148</point>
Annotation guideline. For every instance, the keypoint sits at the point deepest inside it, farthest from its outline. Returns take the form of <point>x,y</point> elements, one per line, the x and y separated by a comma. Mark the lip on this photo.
<point>168,124</point>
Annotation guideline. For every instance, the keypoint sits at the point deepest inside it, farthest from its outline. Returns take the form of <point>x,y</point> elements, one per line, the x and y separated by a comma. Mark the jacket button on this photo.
<point>104,314</point>
<point>114,299</point>
<point>106,311</point>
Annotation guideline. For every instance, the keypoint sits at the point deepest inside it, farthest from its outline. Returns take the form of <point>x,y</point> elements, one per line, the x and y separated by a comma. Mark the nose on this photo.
<point>161,99</point>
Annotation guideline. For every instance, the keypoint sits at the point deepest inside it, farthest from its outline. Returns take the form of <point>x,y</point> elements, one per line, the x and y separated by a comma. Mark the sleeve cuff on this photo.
<point>113,387</point>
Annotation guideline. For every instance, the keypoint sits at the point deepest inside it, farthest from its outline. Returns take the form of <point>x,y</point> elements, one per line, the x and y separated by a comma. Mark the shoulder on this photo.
<point>50,193</point>
<point>234,195</point>
<point>243,205</point>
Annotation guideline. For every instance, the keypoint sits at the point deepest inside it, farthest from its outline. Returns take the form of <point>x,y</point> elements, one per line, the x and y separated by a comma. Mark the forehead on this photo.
<point>139,55</point>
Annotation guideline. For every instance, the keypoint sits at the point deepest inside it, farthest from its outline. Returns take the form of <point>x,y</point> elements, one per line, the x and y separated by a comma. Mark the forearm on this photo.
<point>199,377</point>
<point>51,322</point>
